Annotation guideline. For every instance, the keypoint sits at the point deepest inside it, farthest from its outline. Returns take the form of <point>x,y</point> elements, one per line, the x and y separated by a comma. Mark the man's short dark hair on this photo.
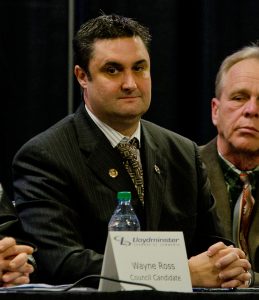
<point>105,27</point>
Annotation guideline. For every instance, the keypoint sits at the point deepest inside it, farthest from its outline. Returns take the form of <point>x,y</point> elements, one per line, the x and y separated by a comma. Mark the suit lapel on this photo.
<point>107,165</point>
<point>154,168</point>
<point>253,238</point>
<point>218,187</point>
<point>99,155</point>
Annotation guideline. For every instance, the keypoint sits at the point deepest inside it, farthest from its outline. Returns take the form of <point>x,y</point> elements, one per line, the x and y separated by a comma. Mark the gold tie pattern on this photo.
<point>132,165</point>
<point>244,209</point>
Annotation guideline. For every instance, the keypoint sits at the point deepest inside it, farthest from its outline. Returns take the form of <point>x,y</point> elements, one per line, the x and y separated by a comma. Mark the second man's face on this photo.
<point>236,113</point>
<point>119,90</point>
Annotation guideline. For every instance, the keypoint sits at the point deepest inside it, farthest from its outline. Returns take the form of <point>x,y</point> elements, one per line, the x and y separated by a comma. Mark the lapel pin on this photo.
<point>113,173</point>
<point>157,170</point>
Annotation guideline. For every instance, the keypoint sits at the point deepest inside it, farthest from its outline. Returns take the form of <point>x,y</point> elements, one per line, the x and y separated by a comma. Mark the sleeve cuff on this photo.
<point>252,279</point>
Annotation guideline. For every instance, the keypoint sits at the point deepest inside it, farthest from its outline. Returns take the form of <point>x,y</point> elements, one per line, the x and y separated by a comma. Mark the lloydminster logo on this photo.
<point>147,241</point>
<point>122,241</point>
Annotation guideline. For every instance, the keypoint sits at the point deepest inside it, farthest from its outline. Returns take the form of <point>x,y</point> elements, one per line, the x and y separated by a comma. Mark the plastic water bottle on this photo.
<point>124,217</point>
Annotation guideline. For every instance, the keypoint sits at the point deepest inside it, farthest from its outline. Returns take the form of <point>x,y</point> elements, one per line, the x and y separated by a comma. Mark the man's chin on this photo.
<point>247,148</point>
<point>132,114</point>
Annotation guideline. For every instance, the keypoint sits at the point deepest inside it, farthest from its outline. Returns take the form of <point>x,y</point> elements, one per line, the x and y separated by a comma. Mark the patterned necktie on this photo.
<point>242,214</point>
<point>132,165</point>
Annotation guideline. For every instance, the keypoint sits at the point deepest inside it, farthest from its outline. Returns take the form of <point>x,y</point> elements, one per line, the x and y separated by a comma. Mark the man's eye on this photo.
<point>139,68</point>
<point>112,70</point>
<point>238,98</point>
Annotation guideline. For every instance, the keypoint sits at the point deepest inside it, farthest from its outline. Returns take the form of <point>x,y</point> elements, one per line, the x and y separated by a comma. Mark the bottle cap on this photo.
<point>124,196</point>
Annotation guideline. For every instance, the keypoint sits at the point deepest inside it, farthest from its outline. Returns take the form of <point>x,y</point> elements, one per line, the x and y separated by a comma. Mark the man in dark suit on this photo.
<point>66,179</point>
<point>235,113</point>
<point>14,254</point>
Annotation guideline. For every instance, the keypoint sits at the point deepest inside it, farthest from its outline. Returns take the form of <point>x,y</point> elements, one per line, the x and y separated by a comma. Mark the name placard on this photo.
<point>153,258</point>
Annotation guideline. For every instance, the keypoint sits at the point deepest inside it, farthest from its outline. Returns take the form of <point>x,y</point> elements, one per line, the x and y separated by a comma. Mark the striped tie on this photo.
<point>132,165</point>
<point>242,214</point>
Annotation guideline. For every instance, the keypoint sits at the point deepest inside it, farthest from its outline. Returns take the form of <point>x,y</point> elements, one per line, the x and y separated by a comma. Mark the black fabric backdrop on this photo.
<point>190,39</point>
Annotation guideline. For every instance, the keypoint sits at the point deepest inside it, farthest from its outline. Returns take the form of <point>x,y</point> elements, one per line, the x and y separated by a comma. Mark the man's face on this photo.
<point>119,90</point>
<point>236,113</point>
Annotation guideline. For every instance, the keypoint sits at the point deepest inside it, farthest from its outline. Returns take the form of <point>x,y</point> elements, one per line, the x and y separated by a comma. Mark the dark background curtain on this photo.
<point>190,39</point>
<point>33,72</point>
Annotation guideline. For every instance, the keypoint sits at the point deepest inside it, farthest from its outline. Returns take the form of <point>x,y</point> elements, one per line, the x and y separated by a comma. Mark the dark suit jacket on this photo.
<point>209,155</point>
<point>10,224</point>
<point>65,196</point>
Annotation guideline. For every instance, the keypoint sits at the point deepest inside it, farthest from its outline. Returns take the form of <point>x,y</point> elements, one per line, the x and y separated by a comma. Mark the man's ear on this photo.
<point>81,76</point>
<point>214,110</point>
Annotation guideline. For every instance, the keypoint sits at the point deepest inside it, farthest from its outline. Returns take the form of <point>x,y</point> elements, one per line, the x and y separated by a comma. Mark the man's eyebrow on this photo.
<point>141,61</point>
<point>116,64</point>
<point>112,63</point>
<point>239,91</point>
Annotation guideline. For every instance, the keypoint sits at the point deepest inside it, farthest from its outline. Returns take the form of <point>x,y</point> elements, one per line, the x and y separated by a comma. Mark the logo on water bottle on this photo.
<point>122,241</point>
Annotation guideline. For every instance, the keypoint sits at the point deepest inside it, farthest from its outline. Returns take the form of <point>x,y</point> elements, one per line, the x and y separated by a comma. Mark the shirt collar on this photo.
<point>228,165</point>
<point>112,135</point>
<point>231,166</point>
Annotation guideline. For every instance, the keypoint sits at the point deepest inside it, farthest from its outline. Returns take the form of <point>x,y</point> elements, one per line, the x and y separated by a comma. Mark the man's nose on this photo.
<point>129,82</point>
<point>252,108</point>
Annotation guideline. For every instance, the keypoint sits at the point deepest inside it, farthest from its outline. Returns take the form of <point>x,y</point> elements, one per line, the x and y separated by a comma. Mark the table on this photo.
<point>130,295</point>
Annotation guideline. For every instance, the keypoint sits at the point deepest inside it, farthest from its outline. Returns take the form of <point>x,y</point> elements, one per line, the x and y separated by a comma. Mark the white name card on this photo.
<point>153,258</point>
